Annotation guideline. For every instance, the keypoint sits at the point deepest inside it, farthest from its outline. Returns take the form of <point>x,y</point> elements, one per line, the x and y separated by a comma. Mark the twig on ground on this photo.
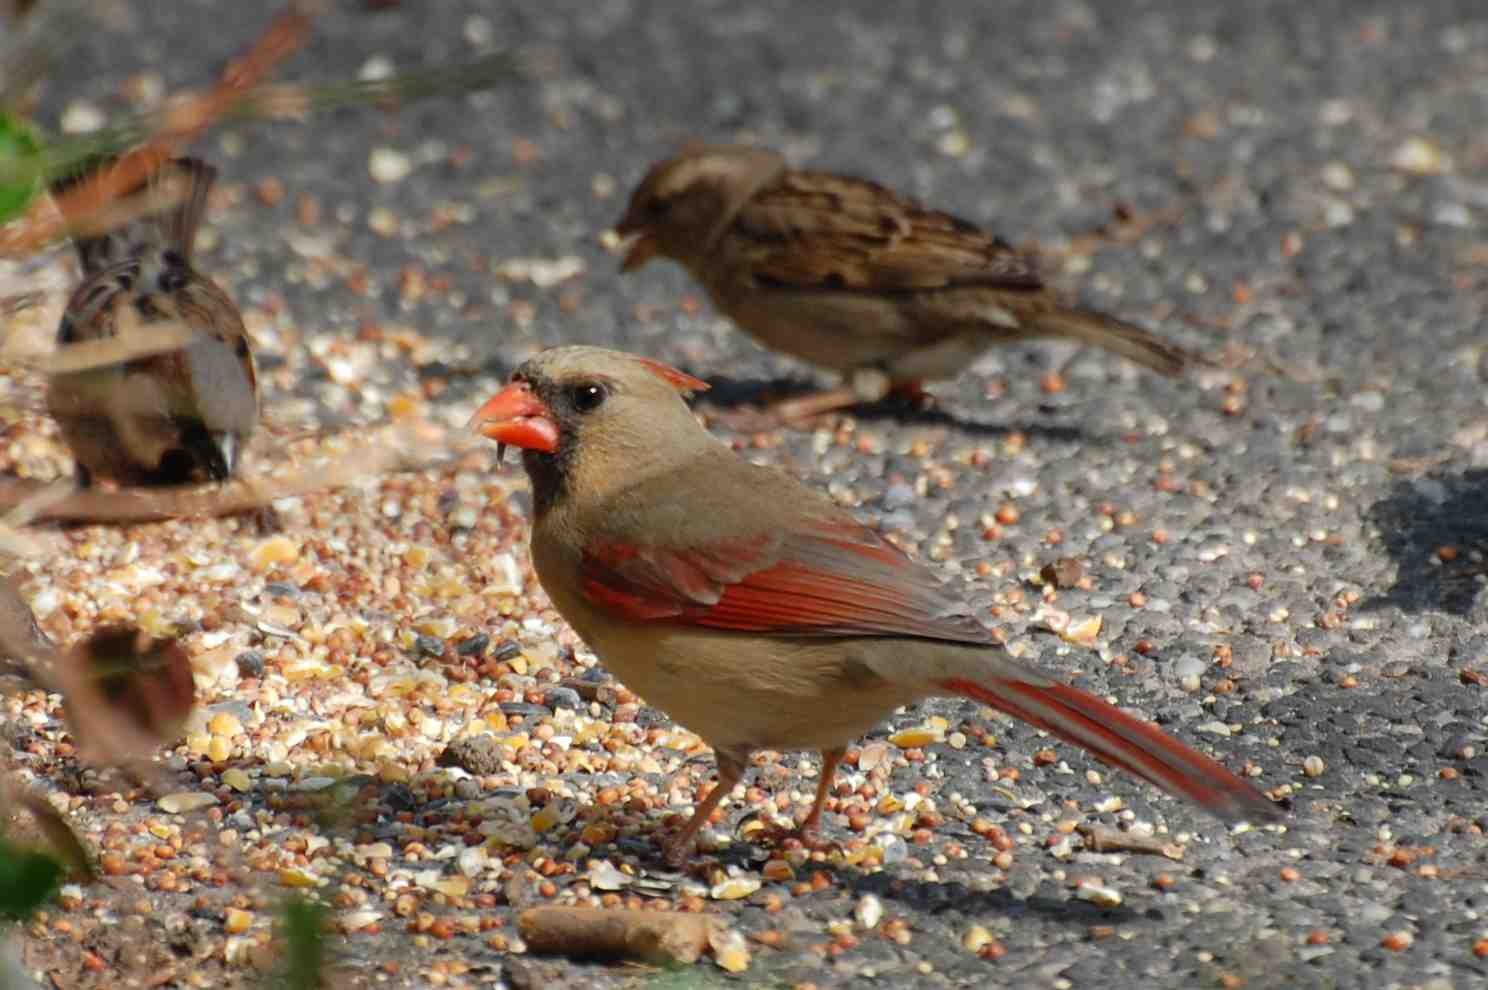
<point>389,449</point>
<point>1099,838</point>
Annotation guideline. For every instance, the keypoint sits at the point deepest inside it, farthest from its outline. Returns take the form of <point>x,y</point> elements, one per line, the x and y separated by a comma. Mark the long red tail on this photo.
<point>1137,747</point>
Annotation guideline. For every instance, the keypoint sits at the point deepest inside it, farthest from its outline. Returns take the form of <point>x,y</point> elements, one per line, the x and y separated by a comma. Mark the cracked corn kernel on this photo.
<point>915,738</point>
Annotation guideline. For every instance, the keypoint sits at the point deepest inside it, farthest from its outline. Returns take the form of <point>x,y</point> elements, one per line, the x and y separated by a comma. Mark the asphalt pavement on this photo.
<point>1312,185</point>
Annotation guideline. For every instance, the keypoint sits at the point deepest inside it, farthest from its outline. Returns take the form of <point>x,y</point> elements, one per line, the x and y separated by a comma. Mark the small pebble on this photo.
<point>563,697</point>
<point>734,888</point>
<point>185,801</point>
<point>730,950</point>
<point>273,551</point>
<point>477,754</point>
<point>82,117</point>
<point>975,938</point>
<point>389,165</point>
<point>1419,156</point>
<point>250,663</point>
<point>473,646</point>
<point>1099,894</point>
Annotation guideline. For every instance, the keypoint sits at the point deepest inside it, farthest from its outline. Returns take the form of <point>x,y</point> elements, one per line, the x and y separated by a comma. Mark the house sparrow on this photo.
<point>171,417</point>
<point>754,610</point>
<point>851,276</point>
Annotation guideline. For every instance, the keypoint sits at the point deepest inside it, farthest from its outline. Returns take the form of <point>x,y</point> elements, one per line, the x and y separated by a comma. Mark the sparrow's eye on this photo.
<point>587,396</point>
<point>658,207</point>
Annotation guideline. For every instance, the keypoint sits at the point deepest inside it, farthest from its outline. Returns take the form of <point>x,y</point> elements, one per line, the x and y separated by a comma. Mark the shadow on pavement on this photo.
<point>1416,520</point>
<point>730,395</point>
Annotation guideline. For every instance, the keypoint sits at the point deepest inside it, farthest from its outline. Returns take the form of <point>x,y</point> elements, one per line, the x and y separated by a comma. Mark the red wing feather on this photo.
<point>651,583</point>
<point>843,581</point>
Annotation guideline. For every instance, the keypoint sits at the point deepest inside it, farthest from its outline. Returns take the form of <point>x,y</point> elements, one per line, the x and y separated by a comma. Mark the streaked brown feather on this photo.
<point>816,230</point>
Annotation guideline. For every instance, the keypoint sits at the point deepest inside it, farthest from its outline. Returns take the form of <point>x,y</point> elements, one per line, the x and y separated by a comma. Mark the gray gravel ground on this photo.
<point>1331,164</point>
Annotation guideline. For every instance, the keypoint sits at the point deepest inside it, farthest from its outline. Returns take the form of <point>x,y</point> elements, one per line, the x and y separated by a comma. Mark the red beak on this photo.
<point>517,417</point>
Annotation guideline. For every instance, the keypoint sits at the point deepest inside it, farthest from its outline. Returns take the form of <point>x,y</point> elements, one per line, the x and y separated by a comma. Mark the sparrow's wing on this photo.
<point>818,231</point>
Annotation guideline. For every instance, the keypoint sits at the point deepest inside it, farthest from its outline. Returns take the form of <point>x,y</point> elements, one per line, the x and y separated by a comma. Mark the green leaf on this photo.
<point>304,924</point>
<point>28,879</point>
<point>21,166</point>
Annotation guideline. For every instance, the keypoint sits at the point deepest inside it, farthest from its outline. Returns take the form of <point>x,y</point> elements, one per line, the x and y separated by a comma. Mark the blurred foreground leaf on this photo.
<point>28,879</point>
<point>304,923</point>
<point>21,166</point>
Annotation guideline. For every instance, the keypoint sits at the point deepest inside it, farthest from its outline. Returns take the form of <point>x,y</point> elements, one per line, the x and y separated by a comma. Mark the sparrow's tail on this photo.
<point>1116,336</point>
<point>1122,741</point>
<point>168,207</point>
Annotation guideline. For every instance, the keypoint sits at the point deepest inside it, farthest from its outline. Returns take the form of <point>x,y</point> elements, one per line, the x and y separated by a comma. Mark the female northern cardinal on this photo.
<point>851,276</point>
<point>755,611</point>
<point>171,417</point>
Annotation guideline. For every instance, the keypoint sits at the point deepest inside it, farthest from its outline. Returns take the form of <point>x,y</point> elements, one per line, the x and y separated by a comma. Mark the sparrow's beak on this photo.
<point>517,417</point>
<point>226,461</point>
<point>643,248</point>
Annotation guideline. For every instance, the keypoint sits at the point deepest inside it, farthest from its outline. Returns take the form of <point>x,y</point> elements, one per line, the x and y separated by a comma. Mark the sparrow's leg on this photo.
<point>830,759</point>
<point>816,404</point>
<point>1061,373</point>
<point>869,385</point>
<point>786,412</point>
<point>266,520</point>
<point>863,386</point>
<point>730,772</point>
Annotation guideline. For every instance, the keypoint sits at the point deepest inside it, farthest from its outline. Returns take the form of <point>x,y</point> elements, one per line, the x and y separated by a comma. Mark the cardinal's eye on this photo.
<point>587,396</point>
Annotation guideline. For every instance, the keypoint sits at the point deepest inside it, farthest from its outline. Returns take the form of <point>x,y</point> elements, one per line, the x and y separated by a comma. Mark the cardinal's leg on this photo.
<point>730,772</point>
<point>830,759</point>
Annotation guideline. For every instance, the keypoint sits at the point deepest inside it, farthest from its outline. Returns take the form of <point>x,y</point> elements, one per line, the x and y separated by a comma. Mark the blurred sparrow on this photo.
<point>851,276</point>
<point>143,683</point>
<point>179,414</point>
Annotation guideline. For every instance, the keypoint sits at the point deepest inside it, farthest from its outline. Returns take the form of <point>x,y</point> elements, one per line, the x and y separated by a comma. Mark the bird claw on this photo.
<point>809,835</point>
<point>266,520</point>
<point>812,839</point>
<point>676,852</point>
